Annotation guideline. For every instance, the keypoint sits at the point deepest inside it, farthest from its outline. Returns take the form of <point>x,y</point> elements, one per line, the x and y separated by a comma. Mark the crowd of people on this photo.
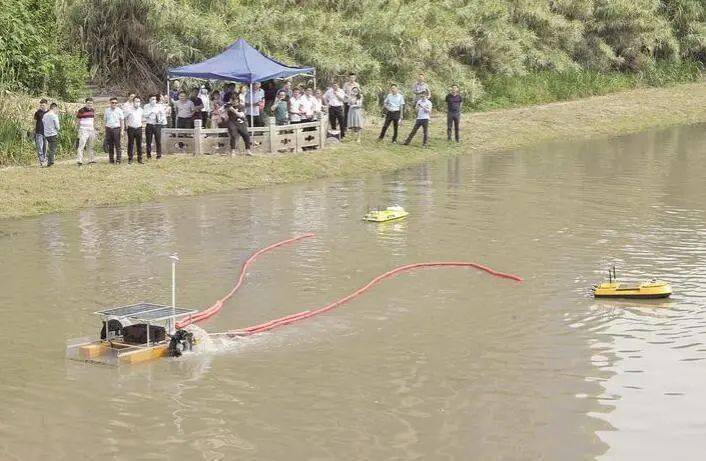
<point>235,108</point>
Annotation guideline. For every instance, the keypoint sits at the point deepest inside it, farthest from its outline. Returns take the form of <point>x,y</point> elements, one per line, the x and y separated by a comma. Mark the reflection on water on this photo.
<point>440,364</point>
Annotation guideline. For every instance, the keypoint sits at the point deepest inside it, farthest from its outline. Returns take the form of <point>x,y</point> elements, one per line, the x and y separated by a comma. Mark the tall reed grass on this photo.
<point>546,86</point>
<point>17,130</point>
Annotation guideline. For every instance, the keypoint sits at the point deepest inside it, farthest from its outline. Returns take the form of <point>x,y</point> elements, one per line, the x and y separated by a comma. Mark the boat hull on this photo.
<point>385,217</point>
<point>649,290</point>
<point>115,353</point>
<point>634,296</point>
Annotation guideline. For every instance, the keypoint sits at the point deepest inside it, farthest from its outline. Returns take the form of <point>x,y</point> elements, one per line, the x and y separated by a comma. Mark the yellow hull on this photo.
<point>144,355</point>
<point>648,290</point>
<point>116,353</point>
<point>384,215</point>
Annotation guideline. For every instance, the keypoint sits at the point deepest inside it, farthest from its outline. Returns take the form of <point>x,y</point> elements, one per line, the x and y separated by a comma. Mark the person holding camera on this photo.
<point>237,125</point>
<point>280,109</point>
<point>423,107</point>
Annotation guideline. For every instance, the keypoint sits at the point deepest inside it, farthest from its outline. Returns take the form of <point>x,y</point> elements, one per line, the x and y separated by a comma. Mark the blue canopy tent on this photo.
<point>240,62</point>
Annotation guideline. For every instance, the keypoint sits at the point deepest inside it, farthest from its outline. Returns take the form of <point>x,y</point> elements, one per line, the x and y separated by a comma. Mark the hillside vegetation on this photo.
<point>132,42</point>
<point>502,53</point>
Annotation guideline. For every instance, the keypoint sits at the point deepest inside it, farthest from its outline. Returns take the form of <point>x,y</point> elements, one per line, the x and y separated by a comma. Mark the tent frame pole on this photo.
<point>252,123</point>
<point>168,103</point>
<point>314,79</point>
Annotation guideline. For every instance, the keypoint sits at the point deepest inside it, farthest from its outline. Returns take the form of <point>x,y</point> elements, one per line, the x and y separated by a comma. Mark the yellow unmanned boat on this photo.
<point>389,214</point>
<point>654,289</point>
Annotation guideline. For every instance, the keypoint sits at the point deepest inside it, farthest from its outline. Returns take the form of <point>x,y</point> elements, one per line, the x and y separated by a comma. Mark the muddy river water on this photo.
<point>442,364</point>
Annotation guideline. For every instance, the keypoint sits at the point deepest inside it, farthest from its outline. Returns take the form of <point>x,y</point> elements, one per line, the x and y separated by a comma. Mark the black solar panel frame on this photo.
<point>162,314</point>
<point>131,310</point>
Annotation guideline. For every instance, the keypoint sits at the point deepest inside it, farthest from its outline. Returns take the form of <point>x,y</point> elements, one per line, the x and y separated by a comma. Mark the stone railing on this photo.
<point>267,139</point>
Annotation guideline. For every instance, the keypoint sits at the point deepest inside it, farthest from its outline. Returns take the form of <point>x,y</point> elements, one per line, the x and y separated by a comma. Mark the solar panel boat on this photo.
<point>134,333</point>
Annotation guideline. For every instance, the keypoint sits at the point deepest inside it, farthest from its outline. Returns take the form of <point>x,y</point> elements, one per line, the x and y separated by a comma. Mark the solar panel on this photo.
<point>131,310</point>
<point>162,314</point>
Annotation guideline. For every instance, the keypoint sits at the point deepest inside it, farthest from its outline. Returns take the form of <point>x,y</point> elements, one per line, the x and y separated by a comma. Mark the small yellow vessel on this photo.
<point>129,335</point>
<point>388,214</point>
<point>654,289</point>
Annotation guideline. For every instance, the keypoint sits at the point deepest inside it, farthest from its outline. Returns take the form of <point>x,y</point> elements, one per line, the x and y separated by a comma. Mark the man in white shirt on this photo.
<point>334,99</point>
<point>206,109</point>
<point>114,121</point>
<point>133,120</point>
<point>155,117</point>
<point>50,120</point>
<point>394,101</point>
<point>295,107</point>
<point>185,110</point>
<point>128,102</point>
<point>253,104</point>
<point>423,107</point>
<point>319,104</point>
<point>308,105</point>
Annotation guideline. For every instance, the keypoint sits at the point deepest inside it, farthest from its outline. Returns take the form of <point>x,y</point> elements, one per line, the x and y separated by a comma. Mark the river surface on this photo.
<point>439,364</point>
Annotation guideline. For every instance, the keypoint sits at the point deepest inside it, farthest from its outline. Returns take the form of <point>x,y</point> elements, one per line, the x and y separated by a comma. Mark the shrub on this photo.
<point>30,58</point>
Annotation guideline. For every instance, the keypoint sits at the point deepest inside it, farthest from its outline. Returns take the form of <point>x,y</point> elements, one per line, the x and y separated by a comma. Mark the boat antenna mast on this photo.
<point>172,323</point>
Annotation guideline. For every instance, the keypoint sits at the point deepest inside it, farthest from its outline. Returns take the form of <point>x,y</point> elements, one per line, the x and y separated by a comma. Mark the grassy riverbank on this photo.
<point>26,191</point>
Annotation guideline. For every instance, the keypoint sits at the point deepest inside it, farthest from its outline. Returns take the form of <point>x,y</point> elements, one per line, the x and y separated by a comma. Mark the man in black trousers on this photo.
<point>114,121</point>
<point>453,114</point>
<point>423,107</point>
<point>334,99</point>
<point>394,101</point>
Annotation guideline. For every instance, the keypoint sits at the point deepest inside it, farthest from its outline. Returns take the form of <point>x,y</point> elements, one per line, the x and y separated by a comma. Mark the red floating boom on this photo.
<point>216,307</point>
<point>310,313</point>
